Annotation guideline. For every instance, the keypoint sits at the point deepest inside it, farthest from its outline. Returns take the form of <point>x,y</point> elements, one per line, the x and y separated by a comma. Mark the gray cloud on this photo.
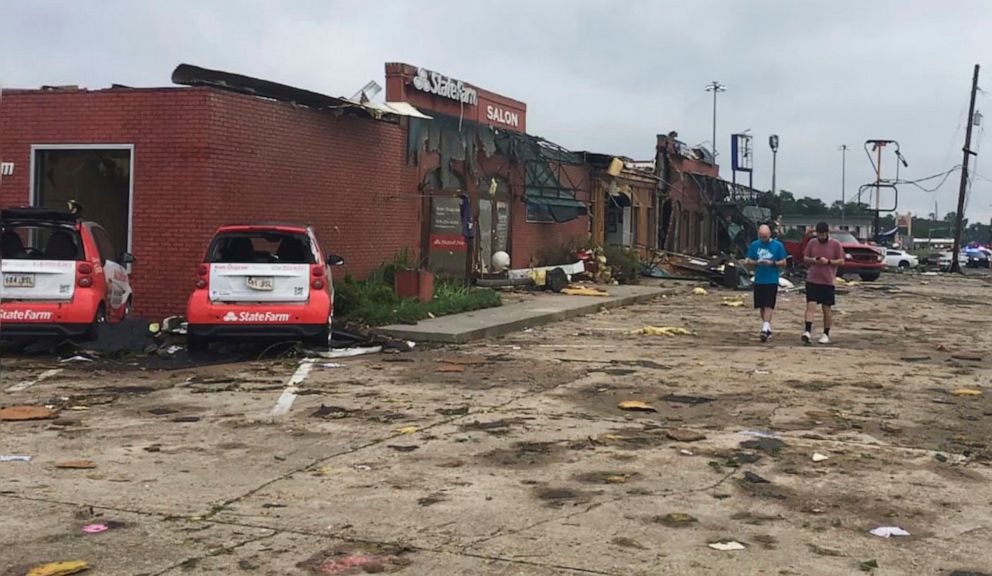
<point>597,76</point>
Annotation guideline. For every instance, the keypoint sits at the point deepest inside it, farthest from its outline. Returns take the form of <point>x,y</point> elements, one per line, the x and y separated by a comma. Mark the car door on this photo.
<point>118,283</point>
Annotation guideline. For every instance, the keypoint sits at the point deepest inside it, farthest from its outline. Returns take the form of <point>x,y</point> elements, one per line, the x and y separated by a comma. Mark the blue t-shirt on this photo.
<point>772,250</point>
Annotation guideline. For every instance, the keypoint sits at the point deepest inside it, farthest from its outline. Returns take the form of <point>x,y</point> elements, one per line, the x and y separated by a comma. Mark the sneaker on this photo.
<point>824,339</point>
<point>766,335</point>
<point>807,338</point>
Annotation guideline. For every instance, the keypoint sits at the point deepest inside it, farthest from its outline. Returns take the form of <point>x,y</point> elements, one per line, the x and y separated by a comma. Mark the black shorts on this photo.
<point>820,293</point>
<point>765,295</point>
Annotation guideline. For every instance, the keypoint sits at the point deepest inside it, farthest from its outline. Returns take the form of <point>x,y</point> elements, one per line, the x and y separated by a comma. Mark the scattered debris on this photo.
<point>769,446</point>
<point>59,568</point>
<point>14,458</point>
<point>75,359</point>
<point>450,369</point>
<point>727,545</point>
<point>583,291</point>
<point>967,357</point>
<point>636,406</point>
<point>759,433</point>
<point>625,542</point>
<point>699,291</point>
<point>663,331</point>
<point>400,448</point>
<point>966,392</point>
<point>868,565</point>
<point>95,528</point>
<point>785,283</point>
<point>733,302</point>
<point>348,352</point>
<point>685,452</point>
<point>186,419</point>
<point>331,365</point>
<point>685,399</point>
<point>370,564</point>
<point>817,457</point>
<point>754,478</point>
<point>407,430</point>
<point>682,435</point>
<point>76,465</point>
<point>362,467</point>
<point>889,531</point>
<point>334,412</point>
<point>22,413</point>
<point>676,520</point>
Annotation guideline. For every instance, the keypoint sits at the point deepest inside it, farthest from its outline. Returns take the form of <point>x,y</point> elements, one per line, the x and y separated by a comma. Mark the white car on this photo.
<point>900,259</point>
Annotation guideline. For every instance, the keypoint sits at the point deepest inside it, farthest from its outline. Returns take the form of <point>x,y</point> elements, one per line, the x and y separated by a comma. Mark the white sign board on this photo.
<point>441,85</point>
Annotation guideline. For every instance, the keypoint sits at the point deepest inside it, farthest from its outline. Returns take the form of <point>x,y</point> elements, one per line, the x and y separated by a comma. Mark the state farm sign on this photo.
<point>28,315</point>
<point>441,85</point>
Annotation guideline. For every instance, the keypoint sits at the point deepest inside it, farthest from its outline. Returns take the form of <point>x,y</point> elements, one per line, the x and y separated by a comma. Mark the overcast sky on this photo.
<point>598,76</point>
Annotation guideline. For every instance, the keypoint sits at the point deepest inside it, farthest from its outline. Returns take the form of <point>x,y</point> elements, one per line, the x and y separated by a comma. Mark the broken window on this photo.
<point>99,179</point>
<point>261,248</point>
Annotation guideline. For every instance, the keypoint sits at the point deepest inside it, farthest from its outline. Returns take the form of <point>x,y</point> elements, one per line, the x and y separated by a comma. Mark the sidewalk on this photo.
<point>493,322</point>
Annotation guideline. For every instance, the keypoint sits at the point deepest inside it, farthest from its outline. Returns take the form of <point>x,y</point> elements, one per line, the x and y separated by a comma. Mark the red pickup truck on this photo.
<point>859,258</point>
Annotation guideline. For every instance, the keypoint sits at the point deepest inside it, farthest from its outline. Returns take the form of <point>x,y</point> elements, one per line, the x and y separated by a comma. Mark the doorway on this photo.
<point>99,177</point>
<point>494,219</point>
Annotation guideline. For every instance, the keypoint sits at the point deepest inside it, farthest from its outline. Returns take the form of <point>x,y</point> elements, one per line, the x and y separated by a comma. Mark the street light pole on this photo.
<point>715,87</point>
<point>773,144</point>
<point>843,182</point>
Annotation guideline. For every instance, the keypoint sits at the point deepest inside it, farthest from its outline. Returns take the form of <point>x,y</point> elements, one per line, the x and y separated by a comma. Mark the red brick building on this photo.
<point>525,194</point>
<point>161,168</point>
<point>687,214</point>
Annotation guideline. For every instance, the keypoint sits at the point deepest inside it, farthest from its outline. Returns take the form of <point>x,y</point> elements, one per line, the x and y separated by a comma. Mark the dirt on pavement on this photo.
<point>513,456</point>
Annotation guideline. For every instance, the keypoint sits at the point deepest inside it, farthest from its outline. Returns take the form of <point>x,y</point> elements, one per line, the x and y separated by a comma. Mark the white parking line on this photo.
<point>288,396</point>
<point>29,383</point>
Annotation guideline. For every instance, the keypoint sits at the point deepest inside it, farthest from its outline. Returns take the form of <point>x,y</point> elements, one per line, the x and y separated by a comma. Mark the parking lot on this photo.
<point>512,456</point>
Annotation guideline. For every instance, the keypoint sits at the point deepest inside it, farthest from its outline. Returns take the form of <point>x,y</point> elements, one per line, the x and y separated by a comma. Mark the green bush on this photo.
<point>562,253</point>
<point>373,302</point>
<point>625,263</point>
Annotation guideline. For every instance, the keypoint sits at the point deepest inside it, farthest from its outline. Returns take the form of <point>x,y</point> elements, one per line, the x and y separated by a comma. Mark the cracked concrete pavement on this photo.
<point>511,456</point>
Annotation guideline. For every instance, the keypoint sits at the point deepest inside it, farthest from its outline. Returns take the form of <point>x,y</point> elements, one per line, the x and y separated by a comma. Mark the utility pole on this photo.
<point>955,264</point>
<point>715,87</point>
<point>773,144</point>
<point>843,182</point>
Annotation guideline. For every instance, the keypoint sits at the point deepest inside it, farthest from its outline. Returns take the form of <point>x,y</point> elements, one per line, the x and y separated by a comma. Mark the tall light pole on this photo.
<point>843,181</point>
<point>715,87</point>
<point>773,144</point>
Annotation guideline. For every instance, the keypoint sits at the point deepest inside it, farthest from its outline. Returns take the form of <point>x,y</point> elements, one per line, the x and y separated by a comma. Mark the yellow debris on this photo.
<point>59,568</point>
<point>663,331</point>
<point>699,291</point>
<point>584,292</point>
<point>636,405</point>
<point>407,430</point>
<point>967,392</point>
<point>733,303</point>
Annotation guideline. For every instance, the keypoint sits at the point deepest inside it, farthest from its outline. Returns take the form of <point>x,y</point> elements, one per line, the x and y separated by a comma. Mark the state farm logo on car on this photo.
<point>255,317</point>
<point>25,315</point>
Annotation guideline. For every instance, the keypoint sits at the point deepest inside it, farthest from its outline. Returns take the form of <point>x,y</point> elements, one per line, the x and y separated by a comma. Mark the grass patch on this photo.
<point>373,302</point>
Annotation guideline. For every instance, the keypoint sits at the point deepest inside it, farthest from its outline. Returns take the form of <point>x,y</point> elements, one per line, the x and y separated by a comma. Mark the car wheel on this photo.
<point>869,276</point>
<point>196,343</point>
<point>321,341</point>
<point>99,319</point>
<point>904,264</point>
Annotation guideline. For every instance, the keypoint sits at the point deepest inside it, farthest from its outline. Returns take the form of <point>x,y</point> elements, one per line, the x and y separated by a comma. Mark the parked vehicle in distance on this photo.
<point>938,260</point>
<point>976,257</point>
<point>895,258</point>
<point>61,276</point>
<point>262,281</point>
<point>859,258</point>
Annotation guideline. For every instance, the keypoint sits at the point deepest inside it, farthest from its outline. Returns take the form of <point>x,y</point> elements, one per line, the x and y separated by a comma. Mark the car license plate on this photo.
<point>18,280</point>
<point>261,283</point>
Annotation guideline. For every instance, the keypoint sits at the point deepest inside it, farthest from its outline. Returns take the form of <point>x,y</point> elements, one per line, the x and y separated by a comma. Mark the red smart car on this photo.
<point>61,276</point>
<point>262,280</point>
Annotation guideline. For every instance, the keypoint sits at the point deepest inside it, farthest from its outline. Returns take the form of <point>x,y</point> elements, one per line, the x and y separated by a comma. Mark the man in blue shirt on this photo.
<point>766,256</point>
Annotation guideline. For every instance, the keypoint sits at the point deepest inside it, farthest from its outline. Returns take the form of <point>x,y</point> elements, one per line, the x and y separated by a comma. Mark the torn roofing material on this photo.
<point>189,75</point>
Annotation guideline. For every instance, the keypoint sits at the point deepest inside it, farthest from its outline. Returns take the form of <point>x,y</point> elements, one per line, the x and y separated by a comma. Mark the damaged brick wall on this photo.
<point>203,158</point>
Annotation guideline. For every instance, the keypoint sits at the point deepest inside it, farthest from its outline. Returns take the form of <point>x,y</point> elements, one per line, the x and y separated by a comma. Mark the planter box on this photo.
<point>418,284</point>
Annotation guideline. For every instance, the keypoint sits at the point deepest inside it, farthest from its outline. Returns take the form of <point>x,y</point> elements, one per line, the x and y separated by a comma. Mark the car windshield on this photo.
<point>40,241</point>
<point>263,247</point>
<point>844,237</point>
